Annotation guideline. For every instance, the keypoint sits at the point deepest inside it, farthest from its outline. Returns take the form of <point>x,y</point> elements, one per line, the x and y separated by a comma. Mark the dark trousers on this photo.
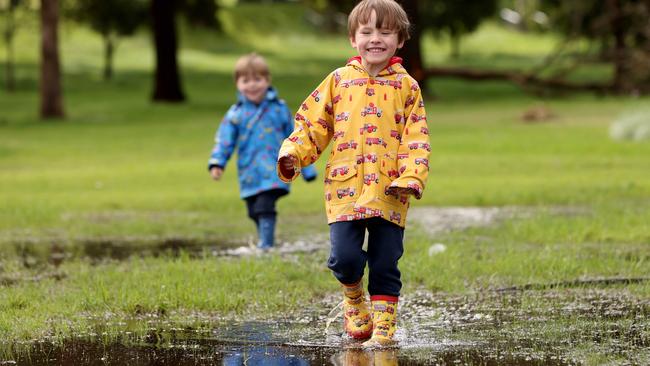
<point>263,204</point>
<point>385,247</point>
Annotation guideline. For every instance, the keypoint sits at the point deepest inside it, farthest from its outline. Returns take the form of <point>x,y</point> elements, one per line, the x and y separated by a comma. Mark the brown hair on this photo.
<point>390,15</point>
<point>251,64</point>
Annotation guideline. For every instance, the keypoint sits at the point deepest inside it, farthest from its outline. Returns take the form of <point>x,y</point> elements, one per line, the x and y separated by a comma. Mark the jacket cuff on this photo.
<point>287,176</point>
<point>412,184</point>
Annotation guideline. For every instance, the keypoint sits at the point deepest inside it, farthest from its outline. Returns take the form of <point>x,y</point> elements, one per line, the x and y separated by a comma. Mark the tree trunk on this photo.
<point>51,94</point>
<point>412,52</point>
<point>620,49</point>
<point>167,78</point>
<point>9,32</point>
<point>109,48</point>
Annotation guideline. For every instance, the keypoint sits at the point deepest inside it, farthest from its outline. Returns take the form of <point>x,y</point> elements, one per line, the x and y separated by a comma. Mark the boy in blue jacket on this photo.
<point>256,125</point>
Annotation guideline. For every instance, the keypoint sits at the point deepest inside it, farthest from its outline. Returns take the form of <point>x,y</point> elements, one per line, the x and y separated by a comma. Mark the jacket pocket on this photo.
<point>341,183</point>
<point>389,173</point>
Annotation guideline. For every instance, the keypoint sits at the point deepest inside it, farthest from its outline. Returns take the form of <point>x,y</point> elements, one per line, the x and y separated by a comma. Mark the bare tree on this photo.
<point>167,86</point>
<point>51,93</point>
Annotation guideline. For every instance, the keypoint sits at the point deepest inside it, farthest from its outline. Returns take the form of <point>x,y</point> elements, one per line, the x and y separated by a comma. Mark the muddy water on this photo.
<point>259,344</point>
<point>490,328</point>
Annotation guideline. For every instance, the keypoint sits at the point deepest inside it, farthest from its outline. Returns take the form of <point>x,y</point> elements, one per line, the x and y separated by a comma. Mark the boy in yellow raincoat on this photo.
<point>372,111</point>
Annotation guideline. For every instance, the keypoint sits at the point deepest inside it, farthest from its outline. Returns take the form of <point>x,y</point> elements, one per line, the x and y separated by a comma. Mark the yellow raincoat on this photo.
<point>379,132</point>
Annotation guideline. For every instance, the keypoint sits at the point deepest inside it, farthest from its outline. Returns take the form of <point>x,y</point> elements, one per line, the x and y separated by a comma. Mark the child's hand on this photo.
<point>287,164</point>
<point>216,172</point>
<point>401,191</point>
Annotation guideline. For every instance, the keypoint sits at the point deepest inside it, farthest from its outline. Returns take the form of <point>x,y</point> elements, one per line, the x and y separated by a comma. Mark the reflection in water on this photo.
<point>262,356</point>
<point>357,357</point>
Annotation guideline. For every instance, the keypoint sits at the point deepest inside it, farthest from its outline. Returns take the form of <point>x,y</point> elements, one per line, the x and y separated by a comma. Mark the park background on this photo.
<point>537,209</point>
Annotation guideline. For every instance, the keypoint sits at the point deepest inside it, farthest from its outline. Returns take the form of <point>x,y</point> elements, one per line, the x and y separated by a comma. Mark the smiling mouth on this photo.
<point>376,50</point>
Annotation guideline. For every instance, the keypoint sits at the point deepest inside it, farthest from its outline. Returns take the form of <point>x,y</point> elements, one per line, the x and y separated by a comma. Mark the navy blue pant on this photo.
<point>263,204</point>
<point>385,247</point>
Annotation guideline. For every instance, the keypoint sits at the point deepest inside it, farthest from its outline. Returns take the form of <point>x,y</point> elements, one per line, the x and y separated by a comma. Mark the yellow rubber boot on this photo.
<point>384,320</point>
<point>357,321</point>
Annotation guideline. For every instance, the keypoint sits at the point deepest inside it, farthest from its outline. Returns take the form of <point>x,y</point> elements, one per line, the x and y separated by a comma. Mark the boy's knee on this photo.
<point>346,266</point>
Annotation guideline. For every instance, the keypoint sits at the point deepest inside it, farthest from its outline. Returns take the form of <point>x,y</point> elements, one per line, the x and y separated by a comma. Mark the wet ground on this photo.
<point>550,327</point>
<point>563,323</point>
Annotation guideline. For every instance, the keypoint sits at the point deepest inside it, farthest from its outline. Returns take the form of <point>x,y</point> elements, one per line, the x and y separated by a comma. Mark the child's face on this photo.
<point>253,87</point>
<point>375,45</point>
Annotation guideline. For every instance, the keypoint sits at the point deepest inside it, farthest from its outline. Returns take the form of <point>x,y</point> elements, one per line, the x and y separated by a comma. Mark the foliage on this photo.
<point>454,18</point>
<point>120,17</point>
<point>201,12</point>
<point>620,26</point>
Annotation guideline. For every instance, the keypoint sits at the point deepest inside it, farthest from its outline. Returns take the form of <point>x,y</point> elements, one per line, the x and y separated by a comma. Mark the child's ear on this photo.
<point>353,42</point>
<point>400,45</point>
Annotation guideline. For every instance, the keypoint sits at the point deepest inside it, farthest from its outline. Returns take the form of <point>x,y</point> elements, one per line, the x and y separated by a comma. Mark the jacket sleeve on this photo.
<point>225,141</point>
<point>313,129</point>
<point>309,173</point>
<point>415,146</point>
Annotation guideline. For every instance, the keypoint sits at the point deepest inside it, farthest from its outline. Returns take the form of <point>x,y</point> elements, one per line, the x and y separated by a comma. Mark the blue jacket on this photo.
<point>257,131</point>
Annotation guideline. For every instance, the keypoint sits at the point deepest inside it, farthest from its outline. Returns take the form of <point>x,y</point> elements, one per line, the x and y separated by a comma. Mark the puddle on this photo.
<point>263,344</point>
<point>487,328</point>
<point>532,324</point>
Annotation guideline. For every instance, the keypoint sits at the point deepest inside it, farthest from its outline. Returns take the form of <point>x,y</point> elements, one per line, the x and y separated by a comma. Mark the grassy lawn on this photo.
<point>121,169</point>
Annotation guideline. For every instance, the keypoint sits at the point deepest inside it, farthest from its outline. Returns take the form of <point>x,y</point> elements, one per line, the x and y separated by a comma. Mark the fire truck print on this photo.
<point>416,118</point>
<point>395,216</point>
<point>394,83</point>
<point>347,145</point>
<point>367,211</point>
<point>410,100</point>
<point>422,161</point>
<point>370,92</point>
<point>369,178</point>
<point>316,95</point>
<point>304,106</point>
<point>424,130</point>
<point>323,123</point>
<point>339,171</point>
<point>295,139</point>
<point>349,217</point>
<point>395,134</point>
<point>419,145</point>
<point>343,116</point>
<point>392,173</point>
<point>399,118</point>
<point>329,109</point>
<point>340,193</point>
<point>376,141</point>
<point>371,109</point>
<point>368,127</point>
<point>413,185</point>
<point>357,82</point>
<point>300,117</point>
<point>337,134</point>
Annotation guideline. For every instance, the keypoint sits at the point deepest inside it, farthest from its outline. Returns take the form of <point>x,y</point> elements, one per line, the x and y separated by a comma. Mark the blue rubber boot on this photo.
<point>266,230</point>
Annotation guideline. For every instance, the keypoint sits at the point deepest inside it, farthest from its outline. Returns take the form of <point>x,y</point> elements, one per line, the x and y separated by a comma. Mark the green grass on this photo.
<point>121,169</point>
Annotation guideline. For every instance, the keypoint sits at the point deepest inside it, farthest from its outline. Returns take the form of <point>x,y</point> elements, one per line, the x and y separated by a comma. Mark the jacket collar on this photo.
<point>271,94</point>
<point>388,70</point>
